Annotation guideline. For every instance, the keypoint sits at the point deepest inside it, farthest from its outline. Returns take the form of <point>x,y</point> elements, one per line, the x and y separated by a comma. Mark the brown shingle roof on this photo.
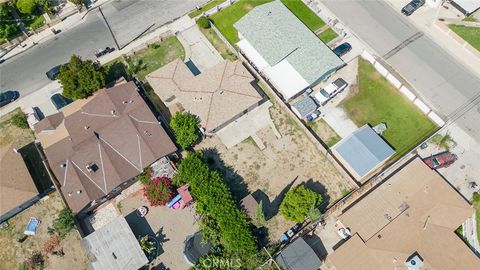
<point>16,183</point>
<point>115,134</point>
<point>415,210</point>
<point>216,96</point>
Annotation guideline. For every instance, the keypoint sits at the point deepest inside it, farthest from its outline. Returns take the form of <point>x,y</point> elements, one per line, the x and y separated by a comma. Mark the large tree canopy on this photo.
<point>298,202</point>
<point>8,27</point>
<point>27,6</point>
<point>80,78</point>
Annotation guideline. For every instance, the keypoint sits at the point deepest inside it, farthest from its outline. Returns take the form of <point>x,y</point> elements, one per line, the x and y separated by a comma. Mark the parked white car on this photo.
<point>329,91</point>
<point>32,117</point>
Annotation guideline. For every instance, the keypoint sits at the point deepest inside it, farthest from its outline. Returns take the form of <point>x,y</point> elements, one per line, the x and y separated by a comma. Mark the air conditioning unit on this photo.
<point>414,262</point>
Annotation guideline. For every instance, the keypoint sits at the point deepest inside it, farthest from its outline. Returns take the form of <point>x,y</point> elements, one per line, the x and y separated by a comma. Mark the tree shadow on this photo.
<point>320,189</point>
<point>234,181</point>
<point>271,208</point>
<point>140,227</point>
<point>316,244</point>
<point>113,72</point>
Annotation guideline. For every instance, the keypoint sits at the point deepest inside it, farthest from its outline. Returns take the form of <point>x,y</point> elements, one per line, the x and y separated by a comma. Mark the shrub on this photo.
<point>144,177</point>
<point>64,222</point>
<point>214,199</point>
<point>147,245</point>
<point>36,261</point>
<point>185,127</point>
<point>298,203</point>
<point>51,244</point>
<point>19,120</point>
<point>203,22</point>
<point>158,191</point>
<point>27,6</point>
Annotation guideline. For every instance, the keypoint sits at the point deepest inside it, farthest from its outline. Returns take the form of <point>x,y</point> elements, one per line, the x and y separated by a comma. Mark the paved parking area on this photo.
<point>248,126</point>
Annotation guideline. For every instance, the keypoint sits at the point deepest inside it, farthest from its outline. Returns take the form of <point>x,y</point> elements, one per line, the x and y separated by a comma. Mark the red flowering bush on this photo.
<point>158,191</point>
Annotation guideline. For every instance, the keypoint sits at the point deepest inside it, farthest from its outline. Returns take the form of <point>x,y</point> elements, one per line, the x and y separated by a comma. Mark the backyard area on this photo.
<point>225,19</point>
<point>13,253</point>
<point>469,33</point>
<point>218,44</point>
<point>271,172</point>
<point>377,101</point>
<point>11,133</point>
<point>325,132</point>
<point>146,60</point>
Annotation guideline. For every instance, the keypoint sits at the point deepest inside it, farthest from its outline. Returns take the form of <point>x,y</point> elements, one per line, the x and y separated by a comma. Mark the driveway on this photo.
<point>441,80</point>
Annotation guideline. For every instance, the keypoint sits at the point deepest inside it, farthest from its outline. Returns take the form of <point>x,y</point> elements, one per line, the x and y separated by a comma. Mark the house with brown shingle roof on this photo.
<point>96,146</point>
<point>407,222</point>
<point>218,96</point>
<point>17,189</point>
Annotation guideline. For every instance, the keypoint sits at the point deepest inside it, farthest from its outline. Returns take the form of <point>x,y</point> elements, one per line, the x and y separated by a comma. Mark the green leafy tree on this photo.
<point>64,222</point>
<point>146,244</point>
<point>8,27</point>
<point>260,215</point>
<point>27,6</point>
<point>81,78</point>
<point>185,127</point>
<point>19,120</point>
<point>77,2</point>
<point>209,230</point>
<point>298,203</point>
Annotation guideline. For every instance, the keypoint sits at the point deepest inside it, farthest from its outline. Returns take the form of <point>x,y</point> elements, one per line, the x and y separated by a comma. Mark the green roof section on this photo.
<point>277,34</point>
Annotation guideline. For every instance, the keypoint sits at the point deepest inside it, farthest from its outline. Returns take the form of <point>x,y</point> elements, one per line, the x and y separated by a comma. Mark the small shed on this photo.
<point>185,195</point>
<point>114,246</point>
<point>304,106</point>
<point>298,256</point>
<point>363,151</point>
<point>250,205</point>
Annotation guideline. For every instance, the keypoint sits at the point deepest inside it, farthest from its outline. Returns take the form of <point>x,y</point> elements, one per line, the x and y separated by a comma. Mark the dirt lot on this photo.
<point>269,173</point>
<point>12,253</point>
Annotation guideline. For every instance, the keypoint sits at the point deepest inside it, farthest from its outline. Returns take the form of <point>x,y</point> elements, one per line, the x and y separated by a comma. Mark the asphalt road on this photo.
<point>442,81</point>
<point>127,19</point>
<point>26,72</point>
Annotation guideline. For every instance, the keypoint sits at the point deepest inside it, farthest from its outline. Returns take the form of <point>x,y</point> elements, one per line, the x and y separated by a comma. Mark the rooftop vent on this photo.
<point>91,167</point>
<point>113,112</point>
<point>86,127</point>
<point>414,262</point>
<point>127,101</point>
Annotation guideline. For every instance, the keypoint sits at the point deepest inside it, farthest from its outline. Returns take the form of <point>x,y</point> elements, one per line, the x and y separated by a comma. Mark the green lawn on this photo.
<point>225,19</point>
<point>304,14</point>
<point>469,34</point>
<point>476,205</point>
<point>157,55</point>
<point>205,7</point>
<point>327,35</point>
<point>470,18</point>
<point>378,101</point>
<point>218,44</point>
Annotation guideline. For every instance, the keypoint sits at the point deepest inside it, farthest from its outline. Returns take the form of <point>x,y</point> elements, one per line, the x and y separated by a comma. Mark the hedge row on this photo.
<point>213,198</point>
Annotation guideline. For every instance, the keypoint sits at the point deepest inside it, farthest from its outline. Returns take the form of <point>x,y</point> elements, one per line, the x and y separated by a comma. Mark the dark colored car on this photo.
<point>412,6</point>
<point>440,160</point>
<point>59,101</point>
<point>7,97</point>
<point>52,74</point>
<point>342,49</point>
<point>102,52</point>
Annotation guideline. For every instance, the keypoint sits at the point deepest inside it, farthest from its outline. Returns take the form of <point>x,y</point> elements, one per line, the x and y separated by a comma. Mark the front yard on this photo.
<point>377,101</point>
<point>476,205</point>
<point>469,34</point>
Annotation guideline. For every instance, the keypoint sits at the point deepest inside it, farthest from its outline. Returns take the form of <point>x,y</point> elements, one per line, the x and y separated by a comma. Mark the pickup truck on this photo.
<point>329,91</point>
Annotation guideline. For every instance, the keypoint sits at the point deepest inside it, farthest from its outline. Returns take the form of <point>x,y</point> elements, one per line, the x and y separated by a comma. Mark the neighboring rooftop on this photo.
<point>298,256</point>
<point>276,39</point>
<point>363,151</point>
<point>467,7</point>
<point>16,183</point>
<point>415,212</point>
<point>250,205</point>
<point>216,96</point>
<point>304,106</point>
<point>113,247</point>
<point>101,142</point>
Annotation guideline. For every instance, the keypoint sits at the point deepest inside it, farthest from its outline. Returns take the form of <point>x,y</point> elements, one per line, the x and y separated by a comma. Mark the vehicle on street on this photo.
<point>412,6</point>
<point>342,49</point>
<point>52,74</point>
<point>59,101</point>
<point>104,51</point>
<point>329,91</point>
<point>440,160</point>
<point>7,97</point>
<point>32,116</point>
